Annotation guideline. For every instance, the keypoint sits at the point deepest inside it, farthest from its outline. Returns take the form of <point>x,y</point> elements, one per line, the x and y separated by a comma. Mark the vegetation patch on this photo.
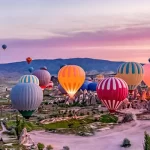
<point>108,118</point>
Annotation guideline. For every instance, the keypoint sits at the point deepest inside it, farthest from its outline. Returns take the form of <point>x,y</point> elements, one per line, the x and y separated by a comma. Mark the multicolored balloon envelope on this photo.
<point>43,76</point>
<point>131,73</point>
<point>29,79</point>
<point>71,78</point>
<point>26,98</point>
<point>146,77</point>
<point>112,91</point>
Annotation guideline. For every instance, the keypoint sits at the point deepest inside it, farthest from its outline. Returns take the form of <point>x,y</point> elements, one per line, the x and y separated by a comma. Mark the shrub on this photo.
<point>70,125</point>
<point>126,143</point>
<point>49,147</point>
<point>66,148</point>
<point>108,118</point>
<point>40,146</point>
<point>127,118</point>
<point>146,145</point>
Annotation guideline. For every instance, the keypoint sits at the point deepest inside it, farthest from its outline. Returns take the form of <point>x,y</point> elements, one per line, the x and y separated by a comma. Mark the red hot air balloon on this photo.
<point>28,59</point>
<point>112,91</point>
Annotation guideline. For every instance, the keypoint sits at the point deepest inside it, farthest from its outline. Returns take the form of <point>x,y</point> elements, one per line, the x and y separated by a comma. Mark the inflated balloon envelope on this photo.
<point>71,78</point>
<point>26,98</point>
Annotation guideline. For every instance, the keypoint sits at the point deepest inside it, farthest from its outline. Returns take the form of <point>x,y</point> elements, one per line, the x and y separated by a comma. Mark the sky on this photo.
<point>114,30</point>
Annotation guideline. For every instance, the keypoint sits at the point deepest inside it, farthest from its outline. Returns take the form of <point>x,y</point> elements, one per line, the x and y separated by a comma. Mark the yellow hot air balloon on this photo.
<point>71,78</point>
<point>132,73</point>
<point>99,77</point>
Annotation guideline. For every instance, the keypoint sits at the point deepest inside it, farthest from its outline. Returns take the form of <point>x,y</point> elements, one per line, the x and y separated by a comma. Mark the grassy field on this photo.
<point>73,123</point>
<point>108,118</point>
<point>29,125</point>
<point>67,126</point>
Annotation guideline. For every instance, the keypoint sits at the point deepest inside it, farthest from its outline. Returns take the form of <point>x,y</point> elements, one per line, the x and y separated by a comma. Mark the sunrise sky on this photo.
<point>48,29</point>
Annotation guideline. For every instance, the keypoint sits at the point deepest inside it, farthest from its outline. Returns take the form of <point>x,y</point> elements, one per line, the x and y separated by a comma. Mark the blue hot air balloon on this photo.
<point>26,98</point>
<point>31,69</point>
<point>4,46</point>
<point>85,85</point>
<point>92,86</point>
<point>29,79</point>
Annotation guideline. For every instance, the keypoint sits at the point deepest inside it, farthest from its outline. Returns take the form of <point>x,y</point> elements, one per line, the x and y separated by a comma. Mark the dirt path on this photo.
<point>108,139</point>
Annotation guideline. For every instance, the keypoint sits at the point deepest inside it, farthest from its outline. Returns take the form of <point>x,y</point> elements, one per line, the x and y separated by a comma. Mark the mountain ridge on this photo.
<point>53,65</point>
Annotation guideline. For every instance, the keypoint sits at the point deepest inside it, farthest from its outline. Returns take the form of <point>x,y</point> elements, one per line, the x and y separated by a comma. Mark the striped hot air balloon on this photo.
<point>26,98</point>
<point>29,79</point>
<point>112,91</point>
<point>71,78</point>
<point>131,73</point>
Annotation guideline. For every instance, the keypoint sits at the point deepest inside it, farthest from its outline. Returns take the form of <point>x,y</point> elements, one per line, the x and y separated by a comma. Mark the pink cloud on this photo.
<point>73,44</point>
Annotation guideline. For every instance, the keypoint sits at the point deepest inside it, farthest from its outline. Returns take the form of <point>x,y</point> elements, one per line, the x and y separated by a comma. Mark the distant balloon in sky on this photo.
<point>43,76</point>
<point>132,73</point>
<point>149,59</point>
<point>4,46</point>
<point>31,69</point>
<point>71,78</point>
<point>29,79</point>
<point>29,60</point>
<point>26,98</point>
<point>112,91</point>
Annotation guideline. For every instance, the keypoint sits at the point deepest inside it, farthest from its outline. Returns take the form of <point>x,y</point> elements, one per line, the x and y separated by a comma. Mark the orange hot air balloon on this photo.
<point>71,78</point>
<point>28,59</point>
<point>146,76</point>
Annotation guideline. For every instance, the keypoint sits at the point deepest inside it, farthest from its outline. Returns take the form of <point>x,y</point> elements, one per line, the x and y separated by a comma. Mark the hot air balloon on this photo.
<point>43,76</point>
<point>29,79</point>
<point>99,77</point>
<point>31,69</point>
<point>28,59</point>
<point>26,98</point>
<point>71,78</point>
<point>85,85</point>
<point>146,76</point>
<point>131,73</point>
<point>112,91</point>
<point>50,85</point>
<point>92,86</point>
<point>61,89</point>
<point>4,46</point>
<point>43,68</point>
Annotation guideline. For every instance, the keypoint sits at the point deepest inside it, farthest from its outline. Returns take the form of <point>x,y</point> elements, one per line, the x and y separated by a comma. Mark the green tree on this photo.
<point>146,145</point>
<point>40,146</point>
